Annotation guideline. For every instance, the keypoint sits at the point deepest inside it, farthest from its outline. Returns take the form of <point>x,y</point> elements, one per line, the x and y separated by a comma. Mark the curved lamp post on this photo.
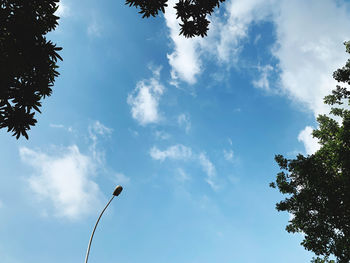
<point>116,192</point>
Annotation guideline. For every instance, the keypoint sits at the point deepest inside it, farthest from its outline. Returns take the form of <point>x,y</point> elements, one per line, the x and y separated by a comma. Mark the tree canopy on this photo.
<point>28,61</point>
<point>318,185</point>
<point>192,13</point>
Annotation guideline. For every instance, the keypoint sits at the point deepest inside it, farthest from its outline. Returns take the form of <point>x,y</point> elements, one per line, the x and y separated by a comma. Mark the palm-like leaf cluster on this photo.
<point>192,13</point>
<point>28,61</point>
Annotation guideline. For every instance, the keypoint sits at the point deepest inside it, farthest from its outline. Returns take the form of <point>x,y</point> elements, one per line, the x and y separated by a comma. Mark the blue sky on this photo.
<point>189,127</point>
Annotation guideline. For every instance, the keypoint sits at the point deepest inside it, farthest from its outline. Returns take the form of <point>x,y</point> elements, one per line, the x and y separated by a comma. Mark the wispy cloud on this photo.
<point>57,126</point>
<point>184,153</point>
<point>184,121</point>
<point>94,29</point>
<point>182,176</point>
<point>162,135</point>
<point>61,126</point>
<point>144,100</point>
<point>175,152</point>
<point>228,155</point>
<point>263,81</point>
<point>209,169</point>
<point>231,29</point>
<point>120,178</point>
<point>97,129</point>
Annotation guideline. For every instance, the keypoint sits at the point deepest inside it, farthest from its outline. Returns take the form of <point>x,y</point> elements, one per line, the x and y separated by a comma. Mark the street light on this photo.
<point>116,192</point>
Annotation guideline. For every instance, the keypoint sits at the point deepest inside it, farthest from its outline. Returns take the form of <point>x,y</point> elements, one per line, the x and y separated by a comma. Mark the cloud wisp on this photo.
<point>184,153</point>
<point>175,152</point>
<point>144,100</point>
<point>263,81</point>
<point>184,121</point>
<point>209,168</point>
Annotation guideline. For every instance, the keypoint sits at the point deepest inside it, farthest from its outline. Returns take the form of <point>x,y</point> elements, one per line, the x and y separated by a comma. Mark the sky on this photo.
<point>189,128</point>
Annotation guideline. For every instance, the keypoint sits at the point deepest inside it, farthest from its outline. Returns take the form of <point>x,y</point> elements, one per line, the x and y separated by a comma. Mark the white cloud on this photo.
<point>184,121</point>
<point>176,152</point>
<point>310,143</point>
<point>184,60</point>
<point>309,48</point>
<point>229,31</point>
<point>209,169</point>
<point>263,81</point>
<point>144,100</point>
<point>122,179</point>
<point>223,41</point>
<point>65,180</point>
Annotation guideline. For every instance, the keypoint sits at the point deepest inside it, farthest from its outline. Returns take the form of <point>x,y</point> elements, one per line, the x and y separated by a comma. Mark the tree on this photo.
<point>322,260</point>
<point>28,62</point>
<point>193,13</point>
<point>318,185</point>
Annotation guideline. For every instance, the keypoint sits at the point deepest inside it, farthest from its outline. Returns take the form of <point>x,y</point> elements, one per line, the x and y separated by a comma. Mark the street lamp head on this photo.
<point>117,190</point>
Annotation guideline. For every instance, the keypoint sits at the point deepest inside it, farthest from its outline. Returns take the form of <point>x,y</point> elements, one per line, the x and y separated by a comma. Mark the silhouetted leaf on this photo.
<point>27,61</point>
<point>192,13</point>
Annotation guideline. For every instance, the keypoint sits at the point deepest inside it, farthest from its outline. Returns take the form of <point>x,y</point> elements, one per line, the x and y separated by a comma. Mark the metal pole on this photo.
<point>116,192</point>
<point>93,232</point>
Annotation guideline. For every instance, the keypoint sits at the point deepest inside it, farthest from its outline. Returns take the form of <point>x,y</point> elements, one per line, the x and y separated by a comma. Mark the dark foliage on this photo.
<point>193,13</point>
<point>318,186</point>
<point>27,61</point>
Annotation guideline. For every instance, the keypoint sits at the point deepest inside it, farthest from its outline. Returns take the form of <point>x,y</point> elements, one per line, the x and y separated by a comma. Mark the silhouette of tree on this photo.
<point>27,61</point>
<point>322,260</point>
<point>318,186</point>
<point>193,13</point>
